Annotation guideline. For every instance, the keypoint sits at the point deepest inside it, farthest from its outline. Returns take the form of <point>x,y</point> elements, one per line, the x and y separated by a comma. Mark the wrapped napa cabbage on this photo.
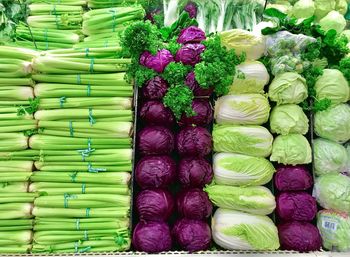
<point>332,191</point>
<point>332,85</point>
<point>247,109</point>
<point>333,20</point>
<point>323,7</point>
<point>249,140</point>
<point>341,6</point>
<point>256,77</point>
<point>303,9</point>
<point>254,199</point>
<point>334,123</point>
<point>243,41</point>
<point>292,149</point>
<point>329,157</point>
<point>241,170</point>
<point>335,230</point>
<point>288,88</point>
<point>287,119</point>
<point>234,230</point>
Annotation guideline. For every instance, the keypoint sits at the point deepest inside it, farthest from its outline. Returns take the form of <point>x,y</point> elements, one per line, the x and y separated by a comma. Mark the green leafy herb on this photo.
<point>344,67</point>
<point>139,74</point>
<point>321,105</point>
<point>179,99</point>
<point>217,68</point>
<point>334,47</point>
<point>175,73</point>
<point>173,46</point>
<point>28,109</point>
<point>141,36</point>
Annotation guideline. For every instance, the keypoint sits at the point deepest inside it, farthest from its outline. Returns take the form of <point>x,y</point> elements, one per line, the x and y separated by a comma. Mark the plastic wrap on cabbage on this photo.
<point>333,20</point>
<point>292,149</point>
<point>234,230</point>
<point>332,191</point>
<point>287,119</point>
<point>323,7</point>
<point>293,178</point>
<point>299,206</point>
<point>334,123</point>
<point>247,109</point>
<point>241,170</point>
<point>333,86</point>
<point>329,157</point>
<point>254,199</point>
<point>303,9</point>
<point>335,230</point>
<point>256,77</point>
<point>288,88</point>
<point>244,42</point>
<point>249,140</point>
<point>299,236</point>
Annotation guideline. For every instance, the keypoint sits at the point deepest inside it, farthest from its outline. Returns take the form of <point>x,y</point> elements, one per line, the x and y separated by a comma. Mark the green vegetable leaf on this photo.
<point>175,73</point>
<point>344,67</point>
<point>29,109</point>
<point>139,74</point>
<point>179,99</point>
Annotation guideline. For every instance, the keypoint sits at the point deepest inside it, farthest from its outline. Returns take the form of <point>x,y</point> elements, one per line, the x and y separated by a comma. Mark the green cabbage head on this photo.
<point>323,7</point>
<point>303,9</point>
<point>241,170</point>
<point>292,149</point>
<point>334,228</point>
<point>287,119</point>
<point>332,85</point>
<point>329,157</point>
<point>234,230</point>
<point>288,88</point>
<point>333,20</point>
<point>334,123</point>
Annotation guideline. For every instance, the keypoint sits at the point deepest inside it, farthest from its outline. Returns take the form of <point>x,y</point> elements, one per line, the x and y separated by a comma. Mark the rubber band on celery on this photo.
<point>83,188</point>
<point>95,170</point>
<point>91,118</point>
<point>77,224</point>
<point>46,40</point>
<point>71,130</point>
<point>85,249</point>
<point>88,90</point>
<point>76,249</point>
<point>86,236</point>
<point>62,101</point>
<point>78,79</point>
<point>92,62</point>
<point>114,17</point>
<point>87,212</point>
<point>87,50</point>
<point>68,197</point>
<point>74,176</point>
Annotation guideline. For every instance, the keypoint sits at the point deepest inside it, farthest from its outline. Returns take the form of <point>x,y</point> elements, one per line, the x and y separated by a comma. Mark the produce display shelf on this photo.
<point>205,253</point>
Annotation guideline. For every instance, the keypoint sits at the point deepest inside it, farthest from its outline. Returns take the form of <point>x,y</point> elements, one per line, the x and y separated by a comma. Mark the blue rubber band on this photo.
<point>91,118</point>
<point>87,50</point>
<point>114,17</point>
<point>74,176</point>
<point>92,61</point>
<point>62,101</point>
<point>83,188</point>
<point>68,197</point>
<point>89,90</point>
<point>95,170</point>
<point>53,11</point>
<point>85,249</point>
<point>71,130</point>
<point>78,79</point>
<point>86,236</point>
<point>77,224</point>
<point>46,39</point>
<point>76,249</point>
<point>87,212</point>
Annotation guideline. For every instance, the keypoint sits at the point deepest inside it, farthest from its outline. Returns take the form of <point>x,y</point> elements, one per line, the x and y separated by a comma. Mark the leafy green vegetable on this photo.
<point>179,99</point>
<point>29,109</point>
<point>175,73</point>
<point>217,68</point>
<point>344,67</point>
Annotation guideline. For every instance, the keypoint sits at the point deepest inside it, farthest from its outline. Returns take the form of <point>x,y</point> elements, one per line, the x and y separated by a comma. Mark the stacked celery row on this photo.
<point>16,123</point>
<point>102,27</point>
<point>84,143</point>
<point>240,165</point>
<point>52,25</point>
<point>96,4</point>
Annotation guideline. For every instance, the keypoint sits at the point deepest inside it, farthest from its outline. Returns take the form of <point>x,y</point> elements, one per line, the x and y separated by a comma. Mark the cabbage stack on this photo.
<point>240,166</point>
<point>51,25</point>
<point>85,153</point>
<point>16,165</point>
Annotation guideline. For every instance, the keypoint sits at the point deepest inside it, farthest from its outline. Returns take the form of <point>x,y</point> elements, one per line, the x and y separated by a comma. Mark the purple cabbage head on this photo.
<point>197,90</point>
<point>299,236</point>
<point>155,172</point>
<point>192,235</point>
<point>155,140</point>
<point>155,89</point>
<point>194,141</point>
<point>191,9</point>
<point>190,54</point>
<point>150,15</point>
<point>156,62</point>
<point>194,204</point>
<point>194,172</point>
<point>191,34</point>
<point>155,113</point>
<point>152,237</point>
<point>293,178</point>
<point>154,204</point>
<point>203,117</point>
<point>299,206</point>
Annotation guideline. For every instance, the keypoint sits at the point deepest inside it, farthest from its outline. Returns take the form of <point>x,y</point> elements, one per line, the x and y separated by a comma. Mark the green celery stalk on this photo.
<point>71,114</point>
<point>54,9</point>
<point>64,65</point>
<point>110,178</point>
<point>16,237</point>
<point>16,228</point>
<point>13,223</point>
<point>61,237</point>
<point>64,2</point>
<point>14,176</point>
<point>79,166</point>
<point>13,103</point>
<point>44,142</point>
<point>63,22</point>
<point>117,103</point>
<point>40,45</point>
<point>15,249</point>
<point>14,116</point>
<point>75,188</point>
<point>115,212</point>
<point>66,90</point>
<point>14,68</point>
<point>13,142</point>
<point>17,198</point>
<point>16,82</point>
<point>83,52</point>
<point>15,211</point>
<point>17,53</point>
<point>18,166</point>
<point>16,93</point>
<point>26,155</point>
<point>13,187</point>
<point>46,224</point>
<point>94,4</point>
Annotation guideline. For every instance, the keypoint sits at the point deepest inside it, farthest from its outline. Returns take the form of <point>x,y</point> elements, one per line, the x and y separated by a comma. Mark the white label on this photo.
<point>329,225</point>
